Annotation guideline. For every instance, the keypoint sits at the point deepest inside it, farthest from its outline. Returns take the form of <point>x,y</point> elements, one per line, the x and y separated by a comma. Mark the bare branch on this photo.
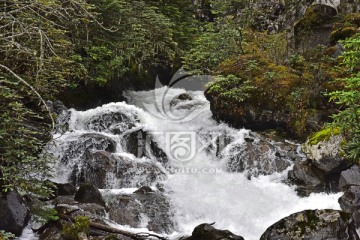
<point>33,89</point>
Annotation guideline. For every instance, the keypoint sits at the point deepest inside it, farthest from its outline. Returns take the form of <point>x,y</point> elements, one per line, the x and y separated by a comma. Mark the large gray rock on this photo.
<point>13,214</point>
<point>88,193</point>
<point>90,141</point>
<point>106,170</point>
<point>111,122</point>
<point>144,208</point>
<point>350,177</point>
<point>326,155</point>
<point>208,232</point>
<point>349,183</point>
<point>260,156</point>
<point>307,178</point>
<point>350,201</point>
<point>313,225</point>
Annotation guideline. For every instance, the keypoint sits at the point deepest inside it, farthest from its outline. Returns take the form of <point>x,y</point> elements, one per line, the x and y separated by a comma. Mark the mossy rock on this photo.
<point>323,135</point>
<point>342,34</point>
<point>353,18</point>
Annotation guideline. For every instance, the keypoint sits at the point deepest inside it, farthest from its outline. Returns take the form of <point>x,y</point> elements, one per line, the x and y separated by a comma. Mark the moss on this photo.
<point>81,224</point>
<point>323,135</point>
<point>353,18</point>
<point>342,34</point>
<point>311,221</point>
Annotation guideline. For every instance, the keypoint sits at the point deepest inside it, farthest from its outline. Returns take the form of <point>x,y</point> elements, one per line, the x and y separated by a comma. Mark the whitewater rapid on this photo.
<point>200,188</point>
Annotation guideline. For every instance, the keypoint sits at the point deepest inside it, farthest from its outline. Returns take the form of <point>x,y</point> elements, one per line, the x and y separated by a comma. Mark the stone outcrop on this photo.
<point>314,225</point>
<point>13,214</point>
<point>208,232</point>
<point>88,193</point>
<point>142,209</point>
<point>349,183</point>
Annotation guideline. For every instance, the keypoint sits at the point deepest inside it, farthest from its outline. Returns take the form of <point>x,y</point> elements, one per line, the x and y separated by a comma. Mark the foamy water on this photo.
<point>201,190</point>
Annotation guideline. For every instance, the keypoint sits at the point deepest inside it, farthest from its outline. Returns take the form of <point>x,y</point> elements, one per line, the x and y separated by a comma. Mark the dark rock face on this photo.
<point>307,178</point>
<point>141,144</point>
<point>208,232</point>
<point>321,171</point>
<point>105,170</point>
<point>13,214</point>
<point>88,193</point>
<point>92,141</point>
<point>56,106</point>
<point>314,225</point>
<point>260,156</point>
<point>350,201</point>
<point>142,209</point>
<point>113,122</point>
<point>350,177</point>
<point>63,189</point>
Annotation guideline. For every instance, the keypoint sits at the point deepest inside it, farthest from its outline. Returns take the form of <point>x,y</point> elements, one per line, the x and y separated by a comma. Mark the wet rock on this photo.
<point>112,122</point>
<point>105,170</point>
<point>259,156</point>
<point>307,178</point>
<point>350,201</point>
<point>13,214</point>
<point>51,233</point>
<point>350,184</point>
<point>56,106</point>
<point>314,225</point>
<point>65,189</point>
<point>141,144</point>
<point>88,193</point>
<point>208,232</point>
<point>350,177</point>
<point>142,209</point>
<point>182,97</point>
<point>326,154</point>
<point>89,141</point>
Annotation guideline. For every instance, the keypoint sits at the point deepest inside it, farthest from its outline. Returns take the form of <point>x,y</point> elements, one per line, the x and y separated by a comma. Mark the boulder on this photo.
<point>88,193</point>
<point>63,189</point>
<point>141,209</point>
<point>56,106</point>
<point>325,152</point>
<point>13,214</point>
<point>111,122</point>
<point>307,178</point>
<point>141,144</point>
<point>349,183</point>
<point>350,201</point>
<point>350,177</point>
<point>208,232</point>
<point>260,156</point>
<point>90,141</point>
<point>314,225</point>
<point>106,170</point>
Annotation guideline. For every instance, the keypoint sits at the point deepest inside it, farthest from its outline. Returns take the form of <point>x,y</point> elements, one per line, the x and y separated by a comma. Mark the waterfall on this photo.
<point>209,171</point>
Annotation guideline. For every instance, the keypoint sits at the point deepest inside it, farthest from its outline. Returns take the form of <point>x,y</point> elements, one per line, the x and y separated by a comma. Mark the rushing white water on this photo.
<point>200,188</point>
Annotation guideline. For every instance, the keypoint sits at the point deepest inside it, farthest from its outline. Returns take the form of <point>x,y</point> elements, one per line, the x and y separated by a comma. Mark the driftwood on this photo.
<point>107,229</point>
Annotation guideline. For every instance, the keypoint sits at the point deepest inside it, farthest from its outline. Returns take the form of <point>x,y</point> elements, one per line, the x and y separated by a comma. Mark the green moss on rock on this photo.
<point>323,135</point>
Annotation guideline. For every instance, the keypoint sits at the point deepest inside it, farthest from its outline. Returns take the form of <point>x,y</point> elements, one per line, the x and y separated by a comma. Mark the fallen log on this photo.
<point>108,229</point>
